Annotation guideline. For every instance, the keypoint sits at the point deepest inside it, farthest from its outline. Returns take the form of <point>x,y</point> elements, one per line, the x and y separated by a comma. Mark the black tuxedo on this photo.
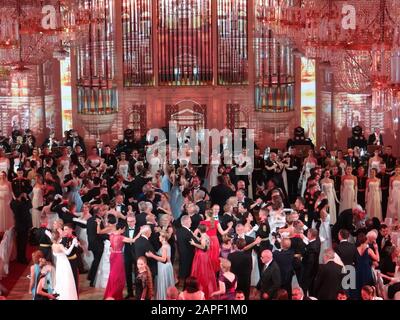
<point>285,261</point>
<point>344,221</point>
<point>143,245</point>
<point>372,139</point>
<point>310,264</point>
<point>219,194</point>
<point>390,162</point>
<point>270,280</point>
<point>202,206</point>
<point>20,186</point>
<point>196,219</point>
<point>92,194</point>
<point>186,251</point>
<point>347,252</point>
<point>241,266</point>
<point>328,281</point>
<point>96,245</point>
<point>293,175</point>
<point>130,260</point>
<point>140,219</point>
<point>23,222</point>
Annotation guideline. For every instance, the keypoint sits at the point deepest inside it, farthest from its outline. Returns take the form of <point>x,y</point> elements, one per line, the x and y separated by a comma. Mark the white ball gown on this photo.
<point>373,203</point>
<point>37,201</point>
<point>6,215</point>
<point>348,196</point>
<point>329,189</point>
<point>393,210</point>
<point>305,176</point>
<point>103,272</point>
<point>65,283</point>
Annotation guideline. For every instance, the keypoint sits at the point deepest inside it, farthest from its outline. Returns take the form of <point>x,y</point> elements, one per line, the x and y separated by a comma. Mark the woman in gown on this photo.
<point>103,271</point>
<point>348,191</point>
<point>74,190</point>
<point>6,215</point>
<point>81,231</point>
<point>123,166</point>
<point>309,163</point>
<point>144,281</point>
<point>202,267</point>
<point>324,228</point>
<point>4,162</point>
<point>227,282</point>
<point>251,232</point>
<point>178,185</point>
<point>37,201</point>
<point>37,258</point>
<point>42,290</point>
<point>166,180</point>
<point>165,271</point>
<point>116,279</point>
<point>212,227</point>
<point>393,210</point>
<point>212,174</point>
<point>374,162</point>
<point>63,163</point>
<point>373,196</point>
<point>364,258</point>
<point>341,162</point>
<point>65,283</point>
<point>328,187</point>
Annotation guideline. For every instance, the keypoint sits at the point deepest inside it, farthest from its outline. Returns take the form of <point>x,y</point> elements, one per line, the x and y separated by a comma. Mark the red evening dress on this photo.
<point>203,271</point>
<point>214,251</point>
<point>116,280</point>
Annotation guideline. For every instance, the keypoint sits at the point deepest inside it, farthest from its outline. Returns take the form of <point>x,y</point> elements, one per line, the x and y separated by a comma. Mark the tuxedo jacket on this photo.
<point>129,248</point>
<point>344,221</point>
<point>311,257</point>
<point>219,194</point>
<point>92,194</point>
<point>143,245</point>
<point>241,266</point>
<point>285,261</point>
<point>372,139</point>
<point>328,281</point>
<point>347,252</point>
<point>270,280</point>
<point>96,241</point>
<point>140,219</point>
<point>185,250</point>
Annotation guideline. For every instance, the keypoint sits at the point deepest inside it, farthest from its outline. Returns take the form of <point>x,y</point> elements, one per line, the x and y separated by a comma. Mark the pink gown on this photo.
<point>116,280</point>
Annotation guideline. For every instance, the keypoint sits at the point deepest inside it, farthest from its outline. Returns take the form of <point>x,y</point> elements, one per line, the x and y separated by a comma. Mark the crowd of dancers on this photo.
<point>157,230</point>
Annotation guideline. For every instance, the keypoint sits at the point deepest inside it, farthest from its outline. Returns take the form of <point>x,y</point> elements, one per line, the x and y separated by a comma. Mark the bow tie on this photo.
<point>131,229</point>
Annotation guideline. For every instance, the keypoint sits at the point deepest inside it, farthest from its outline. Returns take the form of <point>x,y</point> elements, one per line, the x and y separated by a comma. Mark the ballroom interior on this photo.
<point>103,66</point>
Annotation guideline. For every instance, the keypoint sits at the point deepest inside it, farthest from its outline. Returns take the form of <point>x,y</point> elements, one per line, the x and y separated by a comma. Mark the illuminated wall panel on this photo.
<point>308,99</point>
<point>137,42</point>
<point>185,42</point>
<point>232,42</point>
<point>66,94</point>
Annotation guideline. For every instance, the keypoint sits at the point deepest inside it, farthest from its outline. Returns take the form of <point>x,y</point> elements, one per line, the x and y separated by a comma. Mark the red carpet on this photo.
<point>16,271</point>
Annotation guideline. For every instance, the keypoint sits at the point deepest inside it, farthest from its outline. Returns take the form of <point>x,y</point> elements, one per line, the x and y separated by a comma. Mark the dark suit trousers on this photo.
<point>75,270</point>
<point>129,268</point>
<point>97,253</point>
<point>385,197</point>
<point>22,241</point>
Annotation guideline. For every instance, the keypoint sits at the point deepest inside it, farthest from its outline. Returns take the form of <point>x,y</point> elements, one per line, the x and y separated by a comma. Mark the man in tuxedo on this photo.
<point>94,192</point>
<point>144,210</point>
<point>385,184</point>
<point>241,266</point>
<point>329,278</point>
<point>67,241</point>
<point>389,160</point>
<point>220,193</point>
<point>383,240</point>
<point>96,241</point>
<point>264,230</point>
<point>353,220</point>
<point>310,260</point>
<point>23,222</point>
<point>129,254</point>
<point>110,160</point>
<point>285,260</point>
<point>120,207</point>
<point>192,211</point>
<point>243,200</point>
<point>270,280</point>
<point>199,201</point>
<point>143,245</point>
<point>197,187</point>
<point>186,251</point>
<point>20,184</point>
<point>375,138</point>
<point>346,250</point>
<point>293,173</point>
